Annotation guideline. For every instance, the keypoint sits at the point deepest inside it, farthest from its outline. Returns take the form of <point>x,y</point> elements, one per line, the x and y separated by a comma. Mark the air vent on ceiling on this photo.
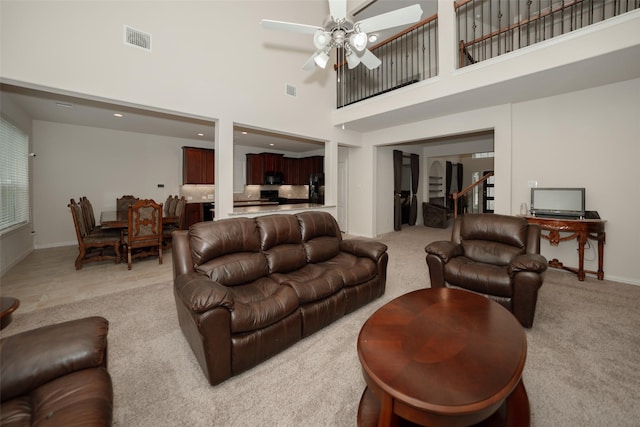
<point>137,38</point>
<point>290,90</point>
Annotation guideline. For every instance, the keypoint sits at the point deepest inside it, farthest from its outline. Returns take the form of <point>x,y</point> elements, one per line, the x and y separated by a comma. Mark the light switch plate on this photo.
<point>532,184</point>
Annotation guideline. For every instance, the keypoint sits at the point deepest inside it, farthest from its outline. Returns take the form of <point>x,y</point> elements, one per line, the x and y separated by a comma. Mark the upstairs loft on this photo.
<point>482,53</point>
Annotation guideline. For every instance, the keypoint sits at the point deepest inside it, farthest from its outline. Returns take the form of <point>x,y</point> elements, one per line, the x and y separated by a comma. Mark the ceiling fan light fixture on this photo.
<point>321,59</point>
<point>321,39</point>
<point>358,41</point>
<point>352,60</point>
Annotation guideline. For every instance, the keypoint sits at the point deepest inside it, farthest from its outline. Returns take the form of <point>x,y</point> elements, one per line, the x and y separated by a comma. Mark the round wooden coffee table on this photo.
<point>7,306</point>
<point>443,357</point>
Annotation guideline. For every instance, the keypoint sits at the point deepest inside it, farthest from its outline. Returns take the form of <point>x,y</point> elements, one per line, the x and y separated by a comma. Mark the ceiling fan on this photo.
<point>341,32</point>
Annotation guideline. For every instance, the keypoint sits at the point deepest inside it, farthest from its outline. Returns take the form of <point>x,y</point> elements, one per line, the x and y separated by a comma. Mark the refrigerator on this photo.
<point>316,188</point>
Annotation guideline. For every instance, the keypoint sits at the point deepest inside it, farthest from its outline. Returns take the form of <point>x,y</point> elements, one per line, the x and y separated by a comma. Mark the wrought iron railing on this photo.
<point>489,28</point>
<point>408,57</point>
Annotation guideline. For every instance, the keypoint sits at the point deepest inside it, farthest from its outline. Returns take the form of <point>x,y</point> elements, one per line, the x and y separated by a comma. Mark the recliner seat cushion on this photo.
<point>352,269</point>
<point>479,277</point>
<point>260,304</point>
<point>311,282</point>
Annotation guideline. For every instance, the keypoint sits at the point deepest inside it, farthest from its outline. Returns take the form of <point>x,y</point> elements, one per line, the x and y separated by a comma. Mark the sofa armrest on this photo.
<point>363,248</point>
<point>35,357</point>
<point>202,294</point>
<point>527,262</point>
<point>444,249</point>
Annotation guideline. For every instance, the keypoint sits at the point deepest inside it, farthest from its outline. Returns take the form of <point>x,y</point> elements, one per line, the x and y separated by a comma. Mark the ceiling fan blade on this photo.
<point>289,26</point>
<point>406,15</point>
<point>311,64</point>
<point>338,9</point>
<point>370,60</point>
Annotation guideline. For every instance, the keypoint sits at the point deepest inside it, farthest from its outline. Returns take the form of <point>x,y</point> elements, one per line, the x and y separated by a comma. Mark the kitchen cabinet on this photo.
<point>255,169</point>
<point>296,171</point>
<point>192,214</point>
<point>198,165</point>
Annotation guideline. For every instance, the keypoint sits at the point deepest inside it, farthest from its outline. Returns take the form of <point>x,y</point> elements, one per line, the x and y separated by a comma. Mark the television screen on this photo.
<point>558,202</point>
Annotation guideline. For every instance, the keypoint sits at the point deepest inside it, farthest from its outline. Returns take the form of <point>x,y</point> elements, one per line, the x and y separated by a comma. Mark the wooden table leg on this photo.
<point>582,240</point>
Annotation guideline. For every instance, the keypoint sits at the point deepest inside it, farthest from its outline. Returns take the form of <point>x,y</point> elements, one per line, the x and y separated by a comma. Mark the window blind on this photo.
<point>14,175</point>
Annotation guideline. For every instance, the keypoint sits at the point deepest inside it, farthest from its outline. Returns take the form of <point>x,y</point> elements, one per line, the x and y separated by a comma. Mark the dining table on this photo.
<point>120,219</point>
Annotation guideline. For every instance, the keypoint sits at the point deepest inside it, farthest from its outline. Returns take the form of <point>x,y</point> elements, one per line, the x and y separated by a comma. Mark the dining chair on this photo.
<point>93,246</point>
<point>122,203</point>
<point>144,233</point>
<point>167,228</point>
<point>167,205</point>
<point>172,206</point>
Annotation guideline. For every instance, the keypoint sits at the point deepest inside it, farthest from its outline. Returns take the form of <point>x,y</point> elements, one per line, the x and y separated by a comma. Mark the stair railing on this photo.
<point>457,195</point>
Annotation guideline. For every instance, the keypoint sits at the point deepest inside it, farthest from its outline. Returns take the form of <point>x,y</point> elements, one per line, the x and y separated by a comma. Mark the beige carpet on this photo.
<point>582,366</point>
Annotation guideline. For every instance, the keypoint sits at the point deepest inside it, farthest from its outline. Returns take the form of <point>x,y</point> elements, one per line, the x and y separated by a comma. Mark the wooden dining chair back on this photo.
<point>123,203</point>
<point>178,224</point>
<point>167,204</point>
<point>144,234</point>
<point>93,246</point>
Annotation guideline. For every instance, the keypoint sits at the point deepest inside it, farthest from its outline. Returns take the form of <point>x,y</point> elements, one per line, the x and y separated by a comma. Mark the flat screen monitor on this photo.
<point>562,202</point>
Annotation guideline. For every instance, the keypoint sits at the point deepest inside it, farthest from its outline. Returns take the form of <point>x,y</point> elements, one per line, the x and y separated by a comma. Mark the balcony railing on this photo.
<point>408,57</point>
<point>489,28</point>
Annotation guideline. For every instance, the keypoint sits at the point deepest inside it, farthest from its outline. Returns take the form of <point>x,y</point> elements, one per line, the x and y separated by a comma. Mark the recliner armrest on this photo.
<point>444,249</point>
<point>202,294</point>
<point>35,357</point>
<point>527,262</point>
<point>365,248</point>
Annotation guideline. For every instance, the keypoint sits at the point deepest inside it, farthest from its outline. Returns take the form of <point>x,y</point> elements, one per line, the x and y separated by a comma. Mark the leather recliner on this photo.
<point>56,376</point>
<point>494,255</point>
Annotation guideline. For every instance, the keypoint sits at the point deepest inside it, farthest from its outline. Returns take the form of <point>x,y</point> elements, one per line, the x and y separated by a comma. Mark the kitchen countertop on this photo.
<point>276,208</point>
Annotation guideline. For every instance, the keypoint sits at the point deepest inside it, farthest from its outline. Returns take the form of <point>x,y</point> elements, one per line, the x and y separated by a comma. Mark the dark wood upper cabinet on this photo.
<point>198,165</point>
<point>295,171</point>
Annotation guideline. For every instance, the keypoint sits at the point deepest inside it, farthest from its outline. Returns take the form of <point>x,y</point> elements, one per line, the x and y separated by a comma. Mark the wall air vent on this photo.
<point>137,38</point>
<point>290,90</point>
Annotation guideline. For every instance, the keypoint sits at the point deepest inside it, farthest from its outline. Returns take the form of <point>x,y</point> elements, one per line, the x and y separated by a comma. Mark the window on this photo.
<point>14,175</point>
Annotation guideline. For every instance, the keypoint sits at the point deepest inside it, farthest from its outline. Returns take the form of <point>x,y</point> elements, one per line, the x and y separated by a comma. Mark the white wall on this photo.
<point>101,164</point>
<point>586,139</point>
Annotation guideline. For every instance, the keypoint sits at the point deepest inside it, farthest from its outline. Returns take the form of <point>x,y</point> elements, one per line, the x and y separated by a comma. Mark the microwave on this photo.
<point>273,178</point>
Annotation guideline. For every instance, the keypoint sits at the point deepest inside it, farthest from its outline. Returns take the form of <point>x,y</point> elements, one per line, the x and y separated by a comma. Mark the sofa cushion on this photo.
<point>235,269</point>
<point>285,258</point>
<point>315,224</point>
<point>322,248</point>
<point>212,239</point>
<point>509,230</point>
<point>488,279</point>
<point>490,252</point>
<point>260,304</point>
<point>311,282</point>
<point>352,269</point>
<point>278,230</point>
<point>79,398</point>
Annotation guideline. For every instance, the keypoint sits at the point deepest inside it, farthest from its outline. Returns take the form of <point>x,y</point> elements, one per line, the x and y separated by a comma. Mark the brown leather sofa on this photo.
<point>248,288</point>
<point>494,255</point>
<point>56,376</point>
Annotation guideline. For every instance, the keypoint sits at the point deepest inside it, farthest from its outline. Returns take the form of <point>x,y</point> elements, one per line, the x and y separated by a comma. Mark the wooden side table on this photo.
<point>580,230</point>
<point>7,306</point>
<point>444,357</point>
